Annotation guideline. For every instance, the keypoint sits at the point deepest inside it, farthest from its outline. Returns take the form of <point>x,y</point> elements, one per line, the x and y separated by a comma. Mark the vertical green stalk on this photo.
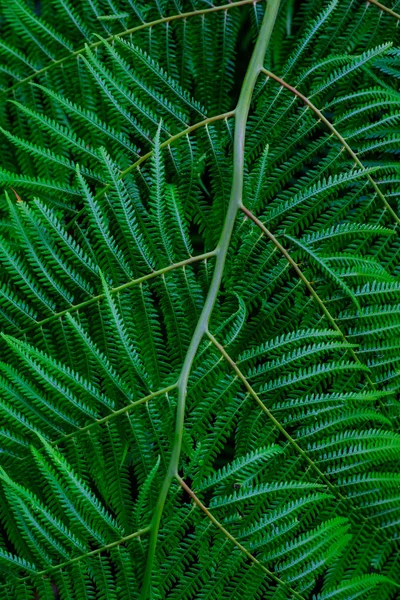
<point>235,202</point>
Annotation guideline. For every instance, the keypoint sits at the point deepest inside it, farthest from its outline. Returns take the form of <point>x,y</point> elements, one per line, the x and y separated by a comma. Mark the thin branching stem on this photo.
<point>49,570</point>
<point>384,8</point>
<point>121,288</point>
<point>234,541</point>
<point>241,115</point>
<point>304,279</point>
<point>287,435</point>
<point>176,137</point>
<point>336,133</point>
<point>142,159</point>
<point>131,31</point>
<point>116,413</point>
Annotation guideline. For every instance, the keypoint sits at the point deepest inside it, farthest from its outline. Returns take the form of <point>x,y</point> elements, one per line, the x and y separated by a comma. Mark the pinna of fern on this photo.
<point>199,300</point>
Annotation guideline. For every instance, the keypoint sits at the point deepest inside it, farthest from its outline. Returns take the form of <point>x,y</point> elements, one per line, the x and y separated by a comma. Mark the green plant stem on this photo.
<point>287,435</point>
<point>389,11</point>
<point>76,559</point>
<point>335,132</point>
<point>175,137</point>
<point>179,16</point>
<point>304,279</point>
<point>312,292</point>
<point>241,114</point>
<point>116,413</point>
<point>149,154</point>
<point>234,541</point>
<point>121,288</point>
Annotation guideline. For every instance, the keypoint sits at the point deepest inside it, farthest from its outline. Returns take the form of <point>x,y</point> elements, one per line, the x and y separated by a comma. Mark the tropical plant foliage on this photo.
<point>200,339</point>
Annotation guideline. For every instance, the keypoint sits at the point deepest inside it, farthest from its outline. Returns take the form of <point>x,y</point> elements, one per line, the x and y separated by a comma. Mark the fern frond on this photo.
<point>161,193</point>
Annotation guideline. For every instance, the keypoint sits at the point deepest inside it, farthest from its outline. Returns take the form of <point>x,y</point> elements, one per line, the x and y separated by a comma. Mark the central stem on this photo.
<point>235,202</point>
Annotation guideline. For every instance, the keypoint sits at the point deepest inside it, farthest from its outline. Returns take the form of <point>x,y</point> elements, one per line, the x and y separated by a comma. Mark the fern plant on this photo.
<point>199,299</point>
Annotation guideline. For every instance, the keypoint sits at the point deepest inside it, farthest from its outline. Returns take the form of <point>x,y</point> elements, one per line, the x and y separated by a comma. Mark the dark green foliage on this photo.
<point>107,255</point>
